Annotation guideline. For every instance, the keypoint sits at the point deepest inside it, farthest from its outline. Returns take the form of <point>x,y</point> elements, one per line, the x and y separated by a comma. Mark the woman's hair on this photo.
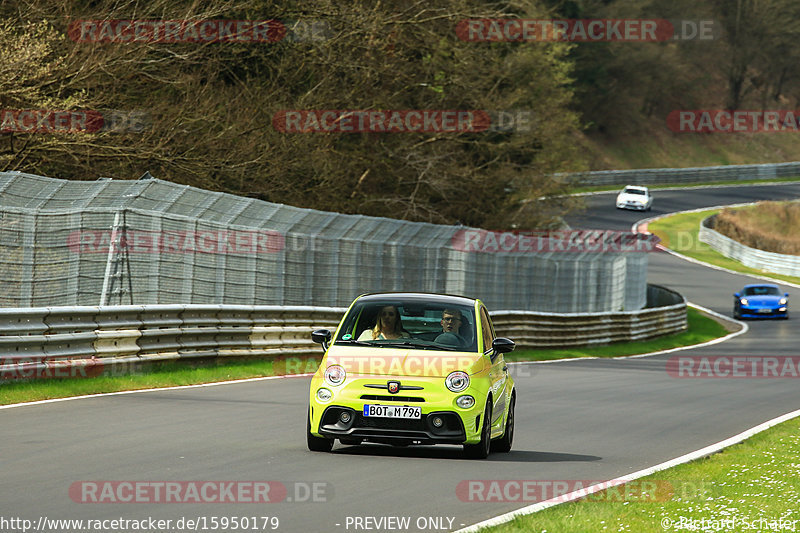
<point>398,326</point>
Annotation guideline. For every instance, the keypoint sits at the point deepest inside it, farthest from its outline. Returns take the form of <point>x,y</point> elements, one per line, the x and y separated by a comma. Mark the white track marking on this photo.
<point>698,454</point>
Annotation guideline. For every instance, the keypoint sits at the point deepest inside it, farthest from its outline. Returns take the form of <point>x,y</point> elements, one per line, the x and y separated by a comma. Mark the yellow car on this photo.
<point>412,368</point>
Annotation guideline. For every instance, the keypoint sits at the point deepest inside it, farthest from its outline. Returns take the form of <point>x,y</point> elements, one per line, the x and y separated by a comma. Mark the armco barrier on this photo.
<point>788,265</point>
<point>670,176</point>
<point>666,314</point>
<point>39,339</point>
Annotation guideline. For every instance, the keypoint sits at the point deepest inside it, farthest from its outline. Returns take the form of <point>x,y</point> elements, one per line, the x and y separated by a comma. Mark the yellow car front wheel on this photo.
<point>503,445</point>
<point>481,450</point>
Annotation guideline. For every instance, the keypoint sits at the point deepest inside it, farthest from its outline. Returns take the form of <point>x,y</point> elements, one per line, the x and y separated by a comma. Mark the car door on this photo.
<point>498,374</point>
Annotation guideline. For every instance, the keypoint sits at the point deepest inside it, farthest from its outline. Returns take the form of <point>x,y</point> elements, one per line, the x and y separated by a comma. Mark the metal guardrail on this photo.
<point>47,342</point>
<point>752,257</point>
<point>662,176</point>
<point>667,315</point>
<point>83,340</point>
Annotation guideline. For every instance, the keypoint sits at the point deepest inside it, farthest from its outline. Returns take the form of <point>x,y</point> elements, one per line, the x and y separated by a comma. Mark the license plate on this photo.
<point>765,310</point>
<point>392,411</point>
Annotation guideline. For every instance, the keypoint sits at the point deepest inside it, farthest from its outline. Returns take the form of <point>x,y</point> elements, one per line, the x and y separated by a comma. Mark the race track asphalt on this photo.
<point>580,420</point>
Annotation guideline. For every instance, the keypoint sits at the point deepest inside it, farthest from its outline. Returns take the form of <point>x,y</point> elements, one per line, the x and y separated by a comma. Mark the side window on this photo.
<point>487,330</point>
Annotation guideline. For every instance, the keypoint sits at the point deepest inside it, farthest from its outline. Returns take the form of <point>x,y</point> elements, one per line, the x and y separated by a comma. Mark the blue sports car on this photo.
<point>761,301</point>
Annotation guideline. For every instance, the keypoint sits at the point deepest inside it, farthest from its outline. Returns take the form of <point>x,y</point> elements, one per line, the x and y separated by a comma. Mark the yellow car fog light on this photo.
<point>324,395</point>
<point>465,402</point>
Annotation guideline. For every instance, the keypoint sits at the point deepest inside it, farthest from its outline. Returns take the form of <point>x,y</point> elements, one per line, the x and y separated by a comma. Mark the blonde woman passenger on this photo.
<point>388,326</point>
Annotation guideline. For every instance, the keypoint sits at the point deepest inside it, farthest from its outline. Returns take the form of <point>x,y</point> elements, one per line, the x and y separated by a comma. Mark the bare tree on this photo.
<point>209,107</point>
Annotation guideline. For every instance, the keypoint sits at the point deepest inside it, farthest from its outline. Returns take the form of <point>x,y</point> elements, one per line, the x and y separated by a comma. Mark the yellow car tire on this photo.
<point>481,450</point>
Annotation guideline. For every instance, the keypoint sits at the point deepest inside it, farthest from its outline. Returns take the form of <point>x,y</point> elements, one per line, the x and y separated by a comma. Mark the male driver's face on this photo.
<point>450,323</point>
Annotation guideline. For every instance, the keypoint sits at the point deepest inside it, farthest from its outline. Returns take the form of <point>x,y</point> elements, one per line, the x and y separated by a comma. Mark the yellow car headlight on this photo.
<point>457,381</point>
<point>334,375</point>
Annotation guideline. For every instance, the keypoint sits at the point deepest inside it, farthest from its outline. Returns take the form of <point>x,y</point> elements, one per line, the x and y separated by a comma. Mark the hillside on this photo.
<point>628,94</point>
<point>397,109</point>
<point>657,147</point>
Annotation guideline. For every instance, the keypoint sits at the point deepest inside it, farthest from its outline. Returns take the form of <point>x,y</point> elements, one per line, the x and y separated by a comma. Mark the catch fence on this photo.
<point>148,241</point>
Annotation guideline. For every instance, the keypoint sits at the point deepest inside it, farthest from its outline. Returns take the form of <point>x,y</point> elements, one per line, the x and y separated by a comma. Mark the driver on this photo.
<point>451,320</point>
<point>451,323</point>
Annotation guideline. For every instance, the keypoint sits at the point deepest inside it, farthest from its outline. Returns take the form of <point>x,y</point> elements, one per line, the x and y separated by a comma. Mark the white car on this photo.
<point>635,197</point>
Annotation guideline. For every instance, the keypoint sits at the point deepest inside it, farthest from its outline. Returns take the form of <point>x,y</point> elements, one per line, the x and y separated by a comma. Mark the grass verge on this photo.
<point>192,372</point>
<point>702,328</point>
<point>156,375</point>
<point>768,226</point>
<point>679,233</point>
<point>751,486</point>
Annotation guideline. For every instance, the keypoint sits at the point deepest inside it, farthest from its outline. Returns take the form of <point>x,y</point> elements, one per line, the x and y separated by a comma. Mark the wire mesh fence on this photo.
<point>111,242</point>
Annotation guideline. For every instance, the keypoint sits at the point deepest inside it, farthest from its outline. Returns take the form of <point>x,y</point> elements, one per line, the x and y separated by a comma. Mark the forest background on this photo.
<point>203,113</point>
